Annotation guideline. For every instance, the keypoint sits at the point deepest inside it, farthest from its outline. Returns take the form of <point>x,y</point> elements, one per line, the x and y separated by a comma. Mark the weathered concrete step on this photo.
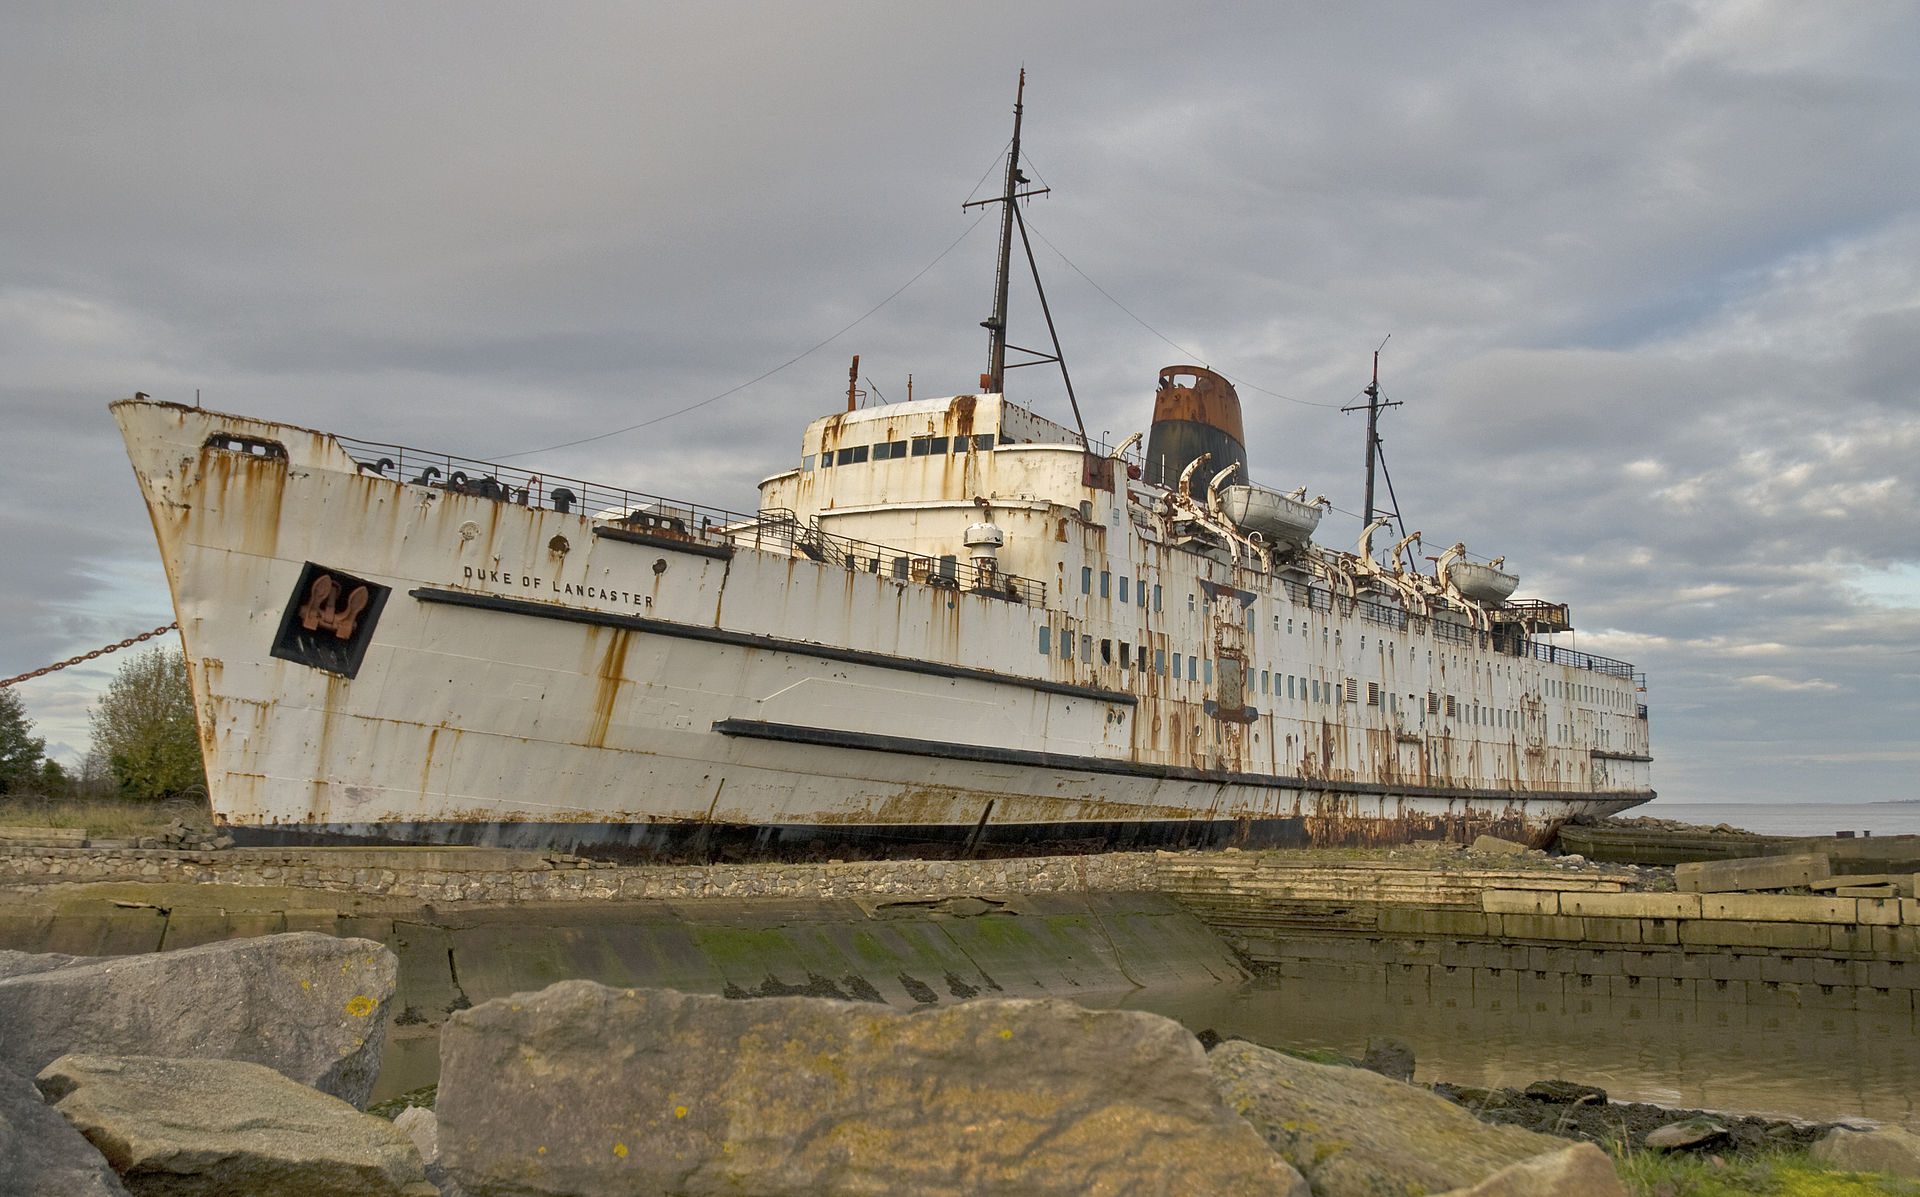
<point>23,836</point>
<point>1797,871</point>
<point>1904,885</point>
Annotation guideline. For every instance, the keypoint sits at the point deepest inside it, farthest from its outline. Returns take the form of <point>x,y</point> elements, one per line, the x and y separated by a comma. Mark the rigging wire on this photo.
<point>988,171</point>
<point>816,347</point>
<point>1164,337</point>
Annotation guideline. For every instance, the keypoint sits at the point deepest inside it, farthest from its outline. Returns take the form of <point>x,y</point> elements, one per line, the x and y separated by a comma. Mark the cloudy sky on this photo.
<point>1651,274</point>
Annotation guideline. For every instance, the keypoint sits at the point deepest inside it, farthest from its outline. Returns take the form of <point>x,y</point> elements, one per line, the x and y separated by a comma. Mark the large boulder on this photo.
<point>308,1005</point>
<point>1884,1149</point>
<point>584,1090</point>
<point>1356,1133</point>
<point>41,1153</point>
<point>1581,1170</point>
<point>200,1127</point>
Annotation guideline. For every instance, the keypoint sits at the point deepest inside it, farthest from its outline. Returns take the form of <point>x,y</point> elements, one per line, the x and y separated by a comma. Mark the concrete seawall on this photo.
<point>471,924</point>
<point>1500,931</point>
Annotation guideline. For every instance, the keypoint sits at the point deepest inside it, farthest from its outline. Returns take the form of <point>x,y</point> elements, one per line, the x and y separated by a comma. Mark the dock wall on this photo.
<point>1537,934</point>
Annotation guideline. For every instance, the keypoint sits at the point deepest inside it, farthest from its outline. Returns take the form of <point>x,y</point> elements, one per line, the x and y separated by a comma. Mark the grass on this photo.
<point>110,818</point>
<point>1783,1172</point>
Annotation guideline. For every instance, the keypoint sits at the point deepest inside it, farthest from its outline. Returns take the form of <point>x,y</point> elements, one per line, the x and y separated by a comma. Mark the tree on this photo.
<point>20,750</point>
<point>143,728</point>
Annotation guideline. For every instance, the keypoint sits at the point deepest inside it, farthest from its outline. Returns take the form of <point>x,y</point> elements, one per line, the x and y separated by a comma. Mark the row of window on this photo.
<point>1128,586</point>
<point>1300,689</point>
<point>919,446</point>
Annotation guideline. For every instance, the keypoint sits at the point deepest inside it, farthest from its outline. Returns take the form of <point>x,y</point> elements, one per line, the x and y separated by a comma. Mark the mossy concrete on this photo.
<point>1085,946</point>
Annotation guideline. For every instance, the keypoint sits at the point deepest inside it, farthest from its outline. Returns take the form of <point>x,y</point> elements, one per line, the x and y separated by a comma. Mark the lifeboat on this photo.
<point>1281,520</point>
<point>1481,583</point>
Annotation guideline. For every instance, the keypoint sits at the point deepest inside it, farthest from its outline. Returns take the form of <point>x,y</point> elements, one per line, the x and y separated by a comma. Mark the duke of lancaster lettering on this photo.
<point>506,579</point>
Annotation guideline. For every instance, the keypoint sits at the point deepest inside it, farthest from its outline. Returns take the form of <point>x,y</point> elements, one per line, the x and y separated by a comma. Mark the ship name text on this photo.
<point>506,579</point>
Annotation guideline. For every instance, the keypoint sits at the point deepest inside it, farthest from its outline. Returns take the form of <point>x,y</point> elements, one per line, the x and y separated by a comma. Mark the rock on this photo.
<point>1358,1134</point>
<point>422,1128</point>
<point>20,964</point>
<point>42,1153</point>
<point>1388,1057</point>
<point>1886,1149</point>
<point>1581,1170</point>
<point>309,1005</point>
<point>1493,845</point>
<point>172,1126</point>
<point>1687,1134</point>
<point>1567,1093</point>
<point>585,1090</point>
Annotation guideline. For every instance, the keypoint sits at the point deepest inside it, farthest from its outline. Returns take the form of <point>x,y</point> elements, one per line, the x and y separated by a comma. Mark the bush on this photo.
<point>144,735</point>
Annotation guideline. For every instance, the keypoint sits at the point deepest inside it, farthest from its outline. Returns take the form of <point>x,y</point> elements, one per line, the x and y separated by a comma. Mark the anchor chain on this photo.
<point>129,642</point>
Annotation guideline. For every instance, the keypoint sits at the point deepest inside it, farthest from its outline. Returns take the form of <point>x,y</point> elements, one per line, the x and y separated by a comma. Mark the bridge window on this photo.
<point>929,446</point>
<point>806,463</point>
<point>851,456</point>
<point>889,450</point>
<point>983,441</point>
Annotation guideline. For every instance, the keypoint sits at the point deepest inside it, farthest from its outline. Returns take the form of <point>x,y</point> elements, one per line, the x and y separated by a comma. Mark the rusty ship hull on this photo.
<point>951,624</point>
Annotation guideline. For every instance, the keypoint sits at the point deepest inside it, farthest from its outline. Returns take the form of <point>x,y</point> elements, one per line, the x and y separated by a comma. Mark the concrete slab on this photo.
<point>1796,871</point>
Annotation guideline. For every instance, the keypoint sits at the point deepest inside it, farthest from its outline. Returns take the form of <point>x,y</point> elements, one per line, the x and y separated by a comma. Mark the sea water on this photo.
<point>1792,818</point>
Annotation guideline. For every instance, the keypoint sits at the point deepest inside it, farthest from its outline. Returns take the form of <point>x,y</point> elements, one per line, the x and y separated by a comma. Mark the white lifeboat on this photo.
<point>1481,583</point>
<point>1281,520</point>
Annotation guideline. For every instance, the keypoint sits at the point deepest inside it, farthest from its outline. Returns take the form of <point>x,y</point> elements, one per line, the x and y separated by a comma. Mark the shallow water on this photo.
<point>1817,1065</point>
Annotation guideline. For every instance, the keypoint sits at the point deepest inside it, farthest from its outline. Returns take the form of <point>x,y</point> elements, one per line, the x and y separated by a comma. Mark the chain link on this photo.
<point>129,642</point>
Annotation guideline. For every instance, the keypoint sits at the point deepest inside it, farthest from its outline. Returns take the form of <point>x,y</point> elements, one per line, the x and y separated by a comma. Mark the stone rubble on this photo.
<point>41,1153</point>
<point>225,1126</point>
<point>309,1005</point>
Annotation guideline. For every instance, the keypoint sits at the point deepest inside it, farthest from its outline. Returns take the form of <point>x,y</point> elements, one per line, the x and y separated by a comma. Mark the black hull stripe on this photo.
<point>824,652</point>
<point>824,737</point>
<point>707,842</point>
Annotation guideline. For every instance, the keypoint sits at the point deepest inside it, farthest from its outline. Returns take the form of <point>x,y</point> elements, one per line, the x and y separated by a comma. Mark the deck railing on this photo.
<point>773,529</point>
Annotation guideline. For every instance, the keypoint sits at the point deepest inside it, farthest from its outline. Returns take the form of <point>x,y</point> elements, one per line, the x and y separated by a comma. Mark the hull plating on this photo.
<point>583,689</point>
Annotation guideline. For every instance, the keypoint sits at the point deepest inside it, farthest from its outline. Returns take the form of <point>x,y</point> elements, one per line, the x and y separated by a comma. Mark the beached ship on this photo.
<point>951,622</point>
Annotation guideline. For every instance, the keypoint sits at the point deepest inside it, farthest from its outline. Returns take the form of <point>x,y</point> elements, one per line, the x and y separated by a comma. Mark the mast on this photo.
<point>994,381</point>
<point>996,325</point>
<point>1372,406</point>
<point>1373,433</point>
